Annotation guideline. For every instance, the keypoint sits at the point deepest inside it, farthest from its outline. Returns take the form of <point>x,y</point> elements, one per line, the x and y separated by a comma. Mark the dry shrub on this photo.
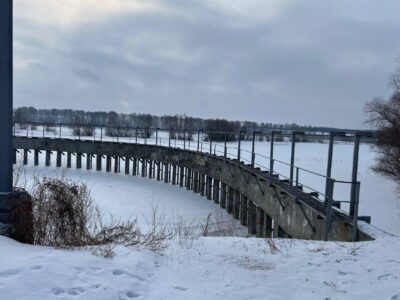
<point>65,216</point>
<point>218,225</point>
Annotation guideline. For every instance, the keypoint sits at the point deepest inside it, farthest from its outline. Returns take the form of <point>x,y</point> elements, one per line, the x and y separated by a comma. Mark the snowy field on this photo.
<point>210,267</point>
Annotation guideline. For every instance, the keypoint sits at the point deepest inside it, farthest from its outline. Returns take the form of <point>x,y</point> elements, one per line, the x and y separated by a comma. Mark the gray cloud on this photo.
<point>309,62</point>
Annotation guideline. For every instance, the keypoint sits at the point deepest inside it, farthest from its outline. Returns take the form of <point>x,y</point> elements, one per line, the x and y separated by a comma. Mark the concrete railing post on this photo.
<point>229,203</point>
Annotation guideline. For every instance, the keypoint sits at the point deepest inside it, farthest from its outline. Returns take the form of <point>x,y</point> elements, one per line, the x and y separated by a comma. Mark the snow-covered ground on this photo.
<point>206,268</point>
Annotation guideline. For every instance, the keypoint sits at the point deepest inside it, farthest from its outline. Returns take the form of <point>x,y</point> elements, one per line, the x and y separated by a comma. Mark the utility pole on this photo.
<point>6,96</point>
<point>6,107</point>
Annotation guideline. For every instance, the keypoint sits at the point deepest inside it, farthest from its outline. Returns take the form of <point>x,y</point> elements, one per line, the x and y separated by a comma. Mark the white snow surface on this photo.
<point>206,268</point>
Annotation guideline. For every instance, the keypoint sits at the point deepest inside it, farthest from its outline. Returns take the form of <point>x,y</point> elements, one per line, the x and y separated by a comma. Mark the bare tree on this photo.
<point>384,115</point>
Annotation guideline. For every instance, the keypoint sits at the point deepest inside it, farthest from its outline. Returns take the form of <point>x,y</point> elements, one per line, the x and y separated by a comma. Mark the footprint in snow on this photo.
<point>387,277</point>
<point>132,295</point>
<point>395,297</point>
<point>36,268</point>
<point>58,291</point>
<point>179,288</point>
<point>118,272</point>
<point>9,273</point>
<point>75,291</point>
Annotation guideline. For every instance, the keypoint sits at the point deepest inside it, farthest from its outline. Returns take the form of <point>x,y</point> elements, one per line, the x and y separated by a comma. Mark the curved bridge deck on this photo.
<point>268,206</point>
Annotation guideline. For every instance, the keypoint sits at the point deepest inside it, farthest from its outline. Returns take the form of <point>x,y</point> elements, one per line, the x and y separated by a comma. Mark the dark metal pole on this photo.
<point>239,145</point>
<point>6,97</point>
<point>184,139</point>
<point>271,155</point>
<point>329,167</point>
<point>157,136</point>
<point>210,142</point>
<point>198,140</point>
<point>253,154</point>
<point>225,148</point>
<point>354,173</point>
<point>292,157</point>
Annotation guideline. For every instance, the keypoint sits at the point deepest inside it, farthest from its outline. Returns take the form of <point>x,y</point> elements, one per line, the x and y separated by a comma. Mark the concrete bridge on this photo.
<point>267,205</point>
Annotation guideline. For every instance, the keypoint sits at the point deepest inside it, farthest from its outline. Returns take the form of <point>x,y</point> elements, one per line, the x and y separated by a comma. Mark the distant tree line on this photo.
<point>180,126</point>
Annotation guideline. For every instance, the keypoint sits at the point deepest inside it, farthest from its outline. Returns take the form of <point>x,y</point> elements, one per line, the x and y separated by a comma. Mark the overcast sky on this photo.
<point>306,61</point>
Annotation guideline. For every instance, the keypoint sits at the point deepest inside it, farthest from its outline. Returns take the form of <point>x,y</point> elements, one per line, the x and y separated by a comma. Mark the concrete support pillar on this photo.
<point>25,157</point>
<point>260,231</point>
<point>188,179</point>
<point>174,179</point>
<point>222,199</point>
<point>134,166</point>
<point>229,203</point>
<point>36,157</point>
<point>108,163</point>
<point>166,173</point>
<point>48,158</point>
<point>209,188</point>
<point>116,164</point>
<point>79,160</point>
<point>202,184</point>
<point>58,160</point>
<point>89,159</point>
<point>236,205</point>
<point>150,169</point>
<point>251,216</point>
<point>98,162</point>
<point>158,171</point>
<point>144,162</point>
<point>196,182</point>
<point>243,210</point>
<point>278,231</point>
<point>267,226</point>
<point>181,176</point>
<point>127,165</point>
<point>69,160</point>
<point>216,191</point>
